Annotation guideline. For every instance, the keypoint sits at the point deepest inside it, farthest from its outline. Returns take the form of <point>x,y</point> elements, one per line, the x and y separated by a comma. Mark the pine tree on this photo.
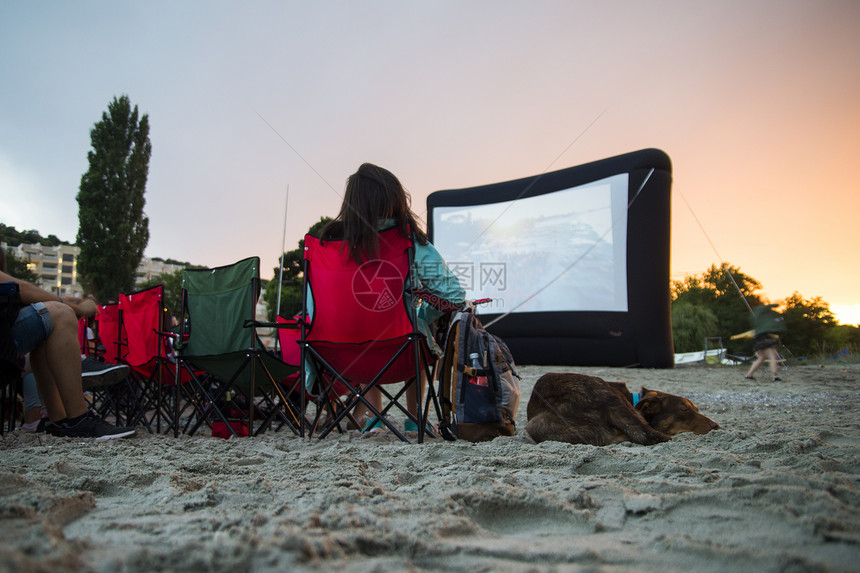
<point>113,229</point>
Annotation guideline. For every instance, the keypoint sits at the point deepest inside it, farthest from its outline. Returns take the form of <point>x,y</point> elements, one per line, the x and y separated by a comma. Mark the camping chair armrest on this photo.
<point>260,324</point>
<point>437,302</point>
<point>178,344</point>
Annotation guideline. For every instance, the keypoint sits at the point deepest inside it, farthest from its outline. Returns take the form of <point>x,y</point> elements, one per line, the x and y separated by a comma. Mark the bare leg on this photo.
<point>374,396</point>
<point>759,360</point>
<point>774,361</point>
<point>32,415</point>
<point>57,366</point>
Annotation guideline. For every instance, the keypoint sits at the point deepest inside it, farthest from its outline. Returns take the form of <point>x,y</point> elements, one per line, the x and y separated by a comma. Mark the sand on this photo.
<point>777,488</point>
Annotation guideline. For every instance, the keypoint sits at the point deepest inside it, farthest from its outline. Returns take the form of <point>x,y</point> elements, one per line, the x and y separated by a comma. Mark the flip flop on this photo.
<point>373,426</point>
<point>410,426</point>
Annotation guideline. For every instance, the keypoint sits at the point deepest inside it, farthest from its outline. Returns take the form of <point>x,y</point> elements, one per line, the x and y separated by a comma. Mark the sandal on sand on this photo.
<point>411,426</point>
<point>373,426</point>
<point>749,378</point>
<point>777,379</point>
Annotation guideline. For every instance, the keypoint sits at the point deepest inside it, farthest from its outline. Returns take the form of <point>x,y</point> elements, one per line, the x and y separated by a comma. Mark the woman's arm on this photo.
<point>436,283</point>
<point>30,293</point>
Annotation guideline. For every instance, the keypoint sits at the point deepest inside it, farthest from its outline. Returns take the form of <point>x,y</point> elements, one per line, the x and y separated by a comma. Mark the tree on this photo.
<point>844,336</point>
<point>113,229</point>
<point>12,237</point>
<point>18,268</point>
<point>691,323</point>
<point>715,291</point>
<point>291,285</point>
<point>711,305</point>
<point>807,325</point>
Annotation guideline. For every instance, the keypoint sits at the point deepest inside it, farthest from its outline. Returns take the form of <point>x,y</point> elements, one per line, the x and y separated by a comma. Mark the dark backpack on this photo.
<point>10,304</point>
<point>479,387</point>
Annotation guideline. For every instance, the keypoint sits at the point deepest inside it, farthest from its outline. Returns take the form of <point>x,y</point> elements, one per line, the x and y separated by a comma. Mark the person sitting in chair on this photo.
<point>376,201</point>
<point>47,328</point>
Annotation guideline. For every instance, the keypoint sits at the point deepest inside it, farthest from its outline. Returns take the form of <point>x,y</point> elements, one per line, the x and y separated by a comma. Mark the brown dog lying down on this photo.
<point>584,409</point>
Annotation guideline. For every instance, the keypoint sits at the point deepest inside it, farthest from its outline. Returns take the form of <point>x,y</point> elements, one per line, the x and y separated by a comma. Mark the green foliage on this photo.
<point>291,285</point>
<point>709,305</point>
<point>12,237</point>
<point>843,336</point>
<point>113,230</point>
<point>17,267</point>
<point>172,283</point>
<point>807,323</point>
<point>715,291</point>
<point>691,324</point>
<point>185,264</point>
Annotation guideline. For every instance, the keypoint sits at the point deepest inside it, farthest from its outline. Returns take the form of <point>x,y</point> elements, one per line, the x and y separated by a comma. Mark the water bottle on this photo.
<point>476,364</point>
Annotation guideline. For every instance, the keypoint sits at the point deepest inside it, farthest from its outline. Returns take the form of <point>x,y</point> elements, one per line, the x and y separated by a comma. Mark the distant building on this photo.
<point>57,267</point>
<point>150,269</point>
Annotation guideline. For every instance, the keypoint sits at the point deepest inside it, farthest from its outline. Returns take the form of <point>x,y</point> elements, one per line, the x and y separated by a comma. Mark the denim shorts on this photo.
<point>32,327</point>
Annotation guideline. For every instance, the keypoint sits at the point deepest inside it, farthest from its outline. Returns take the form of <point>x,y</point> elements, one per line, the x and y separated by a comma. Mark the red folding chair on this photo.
<point>362,331</point>
<point>149,354</point>
<point>289,339</point>
<point>118,399</point>
<point>142,317</point>
<point>109,333</point>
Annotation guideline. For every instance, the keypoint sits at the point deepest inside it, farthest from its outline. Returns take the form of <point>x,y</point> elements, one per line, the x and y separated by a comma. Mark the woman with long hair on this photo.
<point>376,201</point>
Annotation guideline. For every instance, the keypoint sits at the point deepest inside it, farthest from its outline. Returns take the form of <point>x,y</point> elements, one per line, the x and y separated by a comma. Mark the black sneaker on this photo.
<point>95,373</point>
<point>53,429</point>
<point>89,426</point>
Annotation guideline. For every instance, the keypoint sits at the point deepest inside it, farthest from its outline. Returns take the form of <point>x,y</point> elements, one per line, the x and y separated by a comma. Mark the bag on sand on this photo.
<point>479,387</point>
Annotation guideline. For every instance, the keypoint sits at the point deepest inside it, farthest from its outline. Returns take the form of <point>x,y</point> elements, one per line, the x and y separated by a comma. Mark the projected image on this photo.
<point>560,251</point>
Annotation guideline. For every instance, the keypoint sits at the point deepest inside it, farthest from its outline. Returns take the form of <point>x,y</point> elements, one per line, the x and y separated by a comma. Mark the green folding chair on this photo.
<point>244,382</point>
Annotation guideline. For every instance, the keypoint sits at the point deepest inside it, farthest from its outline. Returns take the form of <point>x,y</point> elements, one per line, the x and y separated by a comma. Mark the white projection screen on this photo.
<point>576,260</point>
<point>576,236</point>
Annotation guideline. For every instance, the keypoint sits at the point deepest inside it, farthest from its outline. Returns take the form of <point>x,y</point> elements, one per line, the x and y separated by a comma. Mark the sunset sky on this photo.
<point>756,102</point>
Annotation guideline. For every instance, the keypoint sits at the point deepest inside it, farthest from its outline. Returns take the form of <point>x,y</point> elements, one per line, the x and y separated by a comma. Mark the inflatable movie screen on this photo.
<point>576,260</point>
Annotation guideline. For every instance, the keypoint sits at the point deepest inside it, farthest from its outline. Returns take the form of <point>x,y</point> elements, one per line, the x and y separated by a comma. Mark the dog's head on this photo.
<point>672,414</point>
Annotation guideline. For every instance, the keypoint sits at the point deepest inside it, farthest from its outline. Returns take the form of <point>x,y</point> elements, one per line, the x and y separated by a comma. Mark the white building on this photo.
<point>150,269</point>
<point>56,267</point>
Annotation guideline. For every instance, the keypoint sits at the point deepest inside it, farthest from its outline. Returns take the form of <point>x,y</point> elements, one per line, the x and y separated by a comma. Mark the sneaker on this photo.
<point>30,427</point>
<point>54,429</point>
<point>88,426</point>
<point>97,373</point>
<point>37,427</point>
<point>777,379</point>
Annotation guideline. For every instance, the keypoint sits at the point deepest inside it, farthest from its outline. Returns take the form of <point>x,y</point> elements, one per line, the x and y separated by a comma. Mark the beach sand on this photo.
<point>776,488</point>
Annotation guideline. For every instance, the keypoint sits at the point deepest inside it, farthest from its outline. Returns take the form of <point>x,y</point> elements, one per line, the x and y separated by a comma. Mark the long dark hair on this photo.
<point>372,193</point>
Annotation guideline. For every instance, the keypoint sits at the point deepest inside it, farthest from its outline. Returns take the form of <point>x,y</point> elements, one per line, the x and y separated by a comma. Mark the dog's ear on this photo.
<point>649,403</point>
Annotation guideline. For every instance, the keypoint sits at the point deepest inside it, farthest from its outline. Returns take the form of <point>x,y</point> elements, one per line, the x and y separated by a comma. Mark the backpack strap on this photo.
<point>448,378</point>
